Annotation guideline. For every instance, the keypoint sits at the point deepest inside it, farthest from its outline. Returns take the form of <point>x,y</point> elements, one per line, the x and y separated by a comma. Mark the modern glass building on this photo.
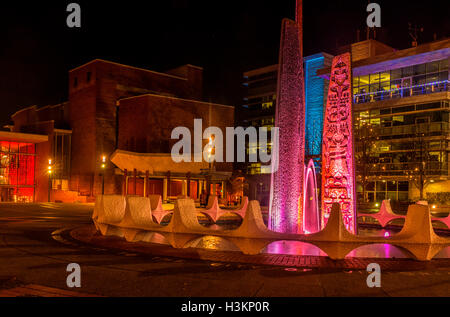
<point>401,104</point>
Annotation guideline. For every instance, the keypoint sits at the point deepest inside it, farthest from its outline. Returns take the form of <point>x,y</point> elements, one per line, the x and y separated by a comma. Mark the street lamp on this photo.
<point>49,171</point>
<point>103,166</point>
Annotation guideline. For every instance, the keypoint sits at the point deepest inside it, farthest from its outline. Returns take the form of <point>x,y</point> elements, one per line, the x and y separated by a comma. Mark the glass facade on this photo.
<point>17,167</point>
<point>402,82</point>
<point>399,146</point>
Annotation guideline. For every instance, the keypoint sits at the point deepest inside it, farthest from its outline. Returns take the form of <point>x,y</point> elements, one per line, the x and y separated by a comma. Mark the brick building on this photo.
<point>88,127</point>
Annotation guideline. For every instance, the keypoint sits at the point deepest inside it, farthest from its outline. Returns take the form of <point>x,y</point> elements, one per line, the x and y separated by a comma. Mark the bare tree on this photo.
<point>419,170</point>
<point>365,142</point>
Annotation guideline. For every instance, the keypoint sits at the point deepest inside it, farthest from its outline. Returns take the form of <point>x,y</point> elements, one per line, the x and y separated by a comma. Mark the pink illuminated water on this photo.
<point>367,251</point>
<point>301,248</point>
<point>311,216</point>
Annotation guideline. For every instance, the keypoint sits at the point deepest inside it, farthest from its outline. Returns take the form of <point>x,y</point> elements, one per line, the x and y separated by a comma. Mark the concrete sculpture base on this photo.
<point>386,215</point>
<point>132,219</point>
<point>214,212</point>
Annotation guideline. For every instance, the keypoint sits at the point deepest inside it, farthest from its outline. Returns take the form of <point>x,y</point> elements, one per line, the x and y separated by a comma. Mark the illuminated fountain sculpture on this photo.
<point>286,212</point>
<point>338,176</point>
<point>311,216</point>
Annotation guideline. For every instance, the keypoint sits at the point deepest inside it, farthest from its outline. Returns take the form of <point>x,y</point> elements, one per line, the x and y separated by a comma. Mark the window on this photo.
<point>75,82</point>
<point>17,163</point>
<point>407,71</point>
<point>375,78</point>
<point>433,67</point>
<point>398,120</point>
<point>375,112</point>
<point>403,109</point>
<point>384,86</point>
<point>364,80</point>
<point>419,80</point>
<point>431,78</point>
<point>443,65</point>
<point>267,105</point>
<point>426,106</point>
<point>88,77</point>
<point>386,76</point>
<point>419,69</point>
<point>396,73</point>
<point>422,120</point>
<point>392,186</point>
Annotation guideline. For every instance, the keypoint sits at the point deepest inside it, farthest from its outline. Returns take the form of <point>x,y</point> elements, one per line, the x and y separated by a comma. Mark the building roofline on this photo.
<point>24,137</point>
<point>176,98</point>
<point>37,108</point>
<point>23,109</point>
<point>422,49</point>
<point>320,54</point>
<point>133,67</point>
<point>274,67</point>
<point>261,70</point>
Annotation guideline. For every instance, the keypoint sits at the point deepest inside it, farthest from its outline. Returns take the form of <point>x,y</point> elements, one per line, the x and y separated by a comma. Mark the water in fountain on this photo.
<point>311,214</point>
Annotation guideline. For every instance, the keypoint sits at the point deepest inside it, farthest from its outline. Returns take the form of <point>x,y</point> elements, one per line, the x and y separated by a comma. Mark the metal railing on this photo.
<point>432,128</point>
<point>431,168</point>
<point>402,92</point>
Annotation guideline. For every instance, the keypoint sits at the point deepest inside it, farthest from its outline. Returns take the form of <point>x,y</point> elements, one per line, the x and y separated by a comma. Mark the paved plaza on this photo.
<point>38,241</point>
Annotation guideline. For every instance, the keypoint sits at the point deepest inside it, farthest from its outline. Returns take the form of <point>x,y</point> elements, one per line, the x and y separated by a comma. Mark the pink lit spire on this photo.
<point>338,163</point>
<point>286,199</point>
<point>299,20</point>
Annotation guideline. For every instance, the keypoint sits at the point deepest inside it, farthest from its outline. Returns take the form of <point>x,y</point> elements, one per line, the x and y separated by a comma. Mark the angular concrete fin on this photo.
<point>422,252</point>
<point>384,215</point>
<point>158,211</point>
<point>253,225</point>
<point>250,246</point>
<point>155,202</point>
<point>138,213</point>
<point>113,209</point>
<point>242,208</point>
<point>109,230</point>
<point>184,218</point>
<point>386,208</point>
<point>178,240</point>
<point>336,250</point>
<point>213,202</point>
<point>417,227</point>
<point>445,220</point>
<point>334,230</point>
<point>130,234</point>
<point>213,210</point>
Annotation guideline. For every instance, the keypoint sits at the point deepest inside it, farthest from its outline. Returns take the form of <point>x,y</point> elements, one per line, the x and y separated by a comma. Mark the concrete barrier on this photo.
<point>113,210</point>
<point>138,212</point>
<point>384,215</point>
<point>214,212</point>
<point>131,218</point>
<point>158,211</point>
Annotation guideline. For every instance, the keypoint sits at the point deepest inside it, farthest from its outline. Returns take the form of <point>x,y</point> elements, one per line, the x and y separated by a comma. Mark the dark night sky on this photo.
<point>225,37</point>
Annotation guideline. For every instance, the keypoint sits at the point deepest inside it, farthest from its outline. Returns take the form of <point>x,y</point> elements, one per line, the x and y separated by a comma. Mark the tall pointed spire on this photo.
<point>299,20</point>
<point>286,198</point>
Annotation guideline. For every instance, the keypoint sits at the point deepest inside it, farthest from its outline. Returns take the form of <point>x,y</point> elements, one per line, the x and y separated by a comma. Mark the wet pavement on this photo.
<point>36,246</point>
